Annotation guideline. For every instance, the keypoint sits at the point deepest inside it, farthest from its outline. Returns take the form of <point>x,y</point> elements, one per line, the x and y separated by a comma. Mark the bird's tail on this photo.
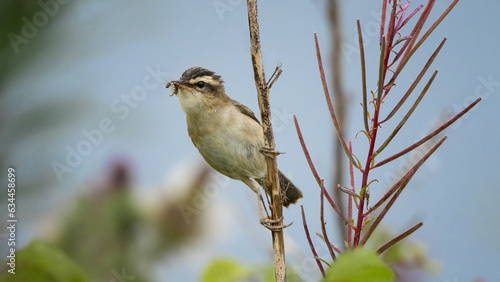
<point>291,194</point>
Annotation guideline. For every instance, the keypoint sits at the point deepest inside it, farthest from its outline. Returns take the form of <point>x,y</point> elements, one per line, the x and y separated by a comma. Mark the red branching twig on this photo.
<point>329,102</point>
<point>407,42</point>
<point>434,25</point>
<point>349,204</point>
<point>411,50</point>
<point>410,16</point>
<point>408,114</point>
<point>391,191</point>
<point>404,181</point>
<point>370,156</point>
<point>315,172</point>
<point>429,136</point>
<point>311,245</point>
<point>323,224</point>
<point>415,82</point>
<point>401,14</point>
<point>399,238</point>
<point>382,20</point>
<point>415,32</point>
<point>331,244</point>
<point>363,76</point>
<point>389,39</point>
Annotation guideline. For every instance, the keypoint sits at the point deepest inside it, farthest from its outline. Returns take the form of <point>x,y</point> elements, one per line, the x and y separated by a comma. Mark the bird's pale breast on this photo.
<point>230,142</point>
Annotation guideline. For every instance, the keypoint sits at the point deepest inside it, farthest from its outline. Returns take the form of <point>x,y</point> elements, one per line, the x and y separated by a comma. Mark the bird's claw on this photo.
<point>270,152</point>
<point>269,223</point>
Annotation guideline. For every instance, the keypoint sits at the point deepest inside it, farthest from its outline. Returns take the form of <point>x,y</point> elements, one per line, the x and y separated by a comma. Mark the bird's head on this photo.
<point>198,90</point>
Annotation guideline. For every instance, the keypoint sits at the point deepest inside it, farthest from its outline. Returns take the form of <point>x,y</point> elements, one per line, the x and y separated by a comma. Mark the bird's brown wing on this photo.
<point>245,110</point>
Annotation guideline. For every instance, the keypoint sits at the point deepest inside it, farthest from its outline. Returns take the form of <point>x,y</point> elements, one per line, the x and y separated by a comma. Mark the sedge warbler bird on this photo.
<point>226,133</point>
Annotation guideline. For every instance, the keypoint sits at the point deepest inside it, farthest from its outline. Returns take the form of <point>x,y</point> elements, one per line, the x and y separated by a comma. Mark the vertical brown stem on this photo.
<point>272,166</point>
<point>339,99</point>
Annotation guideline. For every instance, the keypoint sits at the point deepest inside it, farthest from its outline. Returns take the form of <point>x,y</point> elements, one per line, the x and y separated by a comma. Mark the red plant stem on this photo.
<point>364,182</point>
<point>414,35</point>
<point>410,16</point>
<point>314,171</point>
<point>323,224</point>
<point>382,20</point>
<point>363,75</point>
<point>329,101</point>
<point>311,245</point>
<point>398,184</point>
<point>399,238</point>
<point>349,204</point>
<point>416,81</point>
<point>435,24</point>
<point>419,26</point>
<point>373,137</point>
<point>389,38</point>
<point>408,176</point>
<point>331,244</point>
<point>429,136</point>
<point>401,12</point>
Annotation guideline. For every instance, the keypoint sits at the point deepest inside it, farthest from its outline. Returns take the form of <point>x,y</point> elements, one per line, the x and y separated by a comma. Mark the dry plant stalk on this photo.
<point>272,166</point>
<point>391,63</point>
<point>339,96</point>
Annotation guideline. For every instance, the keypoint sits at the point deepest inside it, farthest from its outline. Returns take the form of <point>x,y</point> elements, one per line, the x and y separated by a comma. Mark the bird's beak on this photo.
<point>181,84</point>
<point>178,84</point>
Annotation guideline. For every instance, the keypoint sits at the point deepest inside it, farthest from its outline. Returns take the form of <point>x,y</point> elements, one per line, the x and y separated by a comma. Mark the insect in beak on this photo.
<point>176,85</point>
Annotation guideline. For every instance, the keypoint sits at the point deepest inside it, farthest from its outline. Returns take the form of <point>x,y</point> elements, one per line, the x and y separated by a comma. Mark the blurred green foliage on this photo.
<point>16,16</point>
<point>12,13</point>
<point>112,236</point>
<point>102,230</point>
<point>359,265</point>
<point>225,269</point>
<point>99,234</point>
<point>229,269</point>
<point>42,262</point>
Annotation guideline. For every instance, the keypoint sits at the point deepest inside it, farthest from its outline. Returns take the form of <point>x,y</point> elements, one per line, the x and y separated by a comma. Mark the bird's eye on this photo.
<point>200,84</point>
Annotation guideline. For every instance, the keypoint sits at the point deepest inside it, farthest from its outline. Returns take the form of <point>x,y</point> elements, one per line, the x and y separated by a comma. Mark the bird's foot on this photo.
<point>270,152</point>
<point>270,223</point>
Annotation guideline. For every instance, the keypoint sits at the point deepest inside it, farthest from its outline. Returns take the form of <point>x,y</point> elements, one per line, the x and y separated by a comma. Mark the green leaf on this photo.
<point>357,160</point>
<point>362,265</point>
<point>368,221</point>
<point>41,262</point>
<point>224,269</point>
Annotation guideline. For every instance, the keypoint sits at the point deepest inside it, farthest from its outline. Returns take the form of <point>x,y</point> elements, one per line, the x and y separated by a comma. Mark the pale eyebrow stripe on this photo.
<point>205,78</point>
